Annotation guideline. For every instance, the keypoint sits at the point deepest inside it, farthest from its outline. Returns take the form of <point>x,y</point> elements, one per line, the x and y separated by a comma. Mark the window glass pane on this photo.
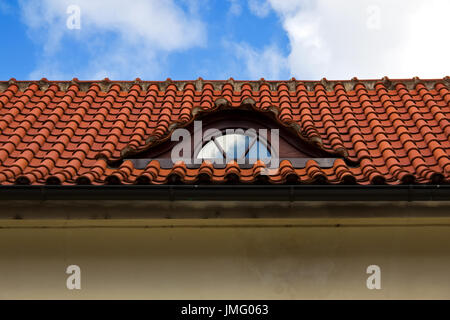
<point>258,151</point>
<point>235,147</point>
<point>209,151</point>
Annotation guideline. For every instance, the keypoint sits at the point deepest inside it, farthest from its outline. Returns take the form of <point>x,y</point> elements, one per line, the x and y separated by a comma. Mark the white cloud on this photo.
<point>366,38</point>
<point>260,8</point>
<point>143,33</point>
<point>268,63</point>
<point>235,7</point>
<point>337,39</point>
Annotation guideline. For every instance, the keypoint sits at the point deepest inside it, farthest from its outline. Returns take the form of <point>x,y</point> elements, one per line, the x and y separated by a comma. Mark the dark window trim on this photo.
<point>297,163</point>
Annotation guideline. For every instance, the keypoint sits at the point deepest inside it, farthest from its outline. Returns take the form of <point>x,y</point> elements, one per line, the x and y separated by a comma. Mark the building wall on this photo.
<point>226,258</point>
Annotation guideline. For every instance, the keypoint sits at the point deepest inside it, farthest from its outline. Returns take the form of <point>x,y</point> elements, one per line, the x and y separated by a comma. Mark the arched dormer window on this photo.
<point>235,135</point>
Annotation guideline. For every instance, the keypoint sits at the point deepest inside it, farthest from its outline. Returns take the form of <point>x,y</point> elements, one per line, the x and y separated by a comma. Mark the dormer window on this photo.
<point>238,135</point>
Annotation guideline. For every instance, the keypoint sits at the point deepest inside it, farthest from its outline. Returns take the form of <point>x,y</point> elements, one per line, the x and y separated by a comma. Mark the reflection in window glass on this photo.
<point>234,146</point>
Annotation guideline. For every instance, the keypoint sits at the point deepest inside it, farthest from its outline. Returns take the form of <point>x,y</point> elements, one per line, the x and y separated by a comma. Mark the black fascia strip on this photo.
<point>229,192</point>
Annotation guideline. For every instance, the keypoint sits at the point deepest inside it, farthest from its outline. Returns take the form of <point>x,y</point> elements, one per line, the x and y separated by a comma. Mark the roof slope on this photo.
<point>65,132</point>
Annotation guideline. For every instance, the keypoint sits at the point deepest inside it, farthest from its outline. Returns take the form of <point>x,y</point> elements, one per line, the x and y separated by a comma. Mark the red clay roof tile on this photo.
<point>69,132</point>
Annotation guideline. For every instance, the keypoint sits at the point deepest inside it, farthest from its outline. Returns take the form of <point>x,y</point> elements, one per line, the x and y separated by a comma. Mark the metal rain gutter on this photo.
<point>229,192</point>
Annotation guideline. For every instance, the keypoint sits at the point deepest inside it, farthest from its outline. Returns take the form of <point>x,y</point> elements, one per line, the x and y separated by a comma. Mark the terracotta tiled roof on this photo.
<point>68,132</point>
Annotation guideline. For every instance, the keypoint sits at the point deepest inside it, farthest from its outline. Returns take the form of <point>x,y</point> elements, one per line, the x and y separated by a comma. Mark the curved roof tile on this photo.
<point>67,132</point>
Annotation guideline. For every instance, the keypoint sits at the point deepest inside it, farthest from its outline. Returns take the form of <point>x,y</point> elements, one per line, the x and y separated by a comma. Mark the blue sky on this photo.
<point>218,39</point>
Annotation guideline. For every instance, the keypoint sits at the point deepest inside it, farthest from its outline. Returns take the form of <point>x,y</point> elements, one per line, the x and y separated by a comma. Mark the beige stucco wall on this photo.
<point>226,258</point>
